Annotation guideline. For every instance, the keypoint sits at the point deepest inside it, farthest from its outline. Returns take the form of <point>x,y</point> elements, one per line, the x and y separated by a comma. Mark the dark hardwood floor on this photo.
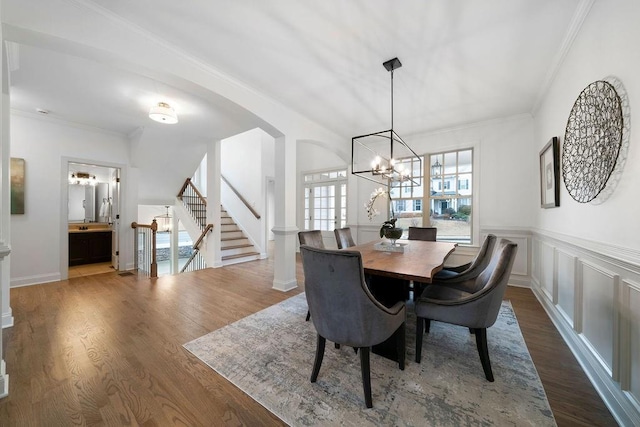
<point>107,350</point>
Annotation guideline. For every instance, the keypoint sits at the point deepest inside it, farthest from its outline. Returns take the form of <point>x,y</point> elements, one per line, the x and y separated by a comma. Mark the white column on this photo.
<point>4,378</point>
<point>174,243</point>
<point>5,213</point>
<point>285,228</point>
<point>214,167</point>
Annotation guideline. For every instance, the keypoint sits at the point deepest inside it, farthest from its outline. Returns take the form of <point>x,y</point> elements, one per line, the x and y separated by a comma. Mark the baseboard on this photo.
<point>34,280</point>
<point>284,286</point>
<point>7,319</point>
<point>4,380</point>
<point>622,409</point>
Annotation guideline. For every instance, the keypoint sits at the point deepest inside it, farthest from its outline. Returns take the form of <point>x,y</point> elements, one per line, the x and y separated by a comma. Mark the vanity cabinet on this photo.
<point>87,247</point>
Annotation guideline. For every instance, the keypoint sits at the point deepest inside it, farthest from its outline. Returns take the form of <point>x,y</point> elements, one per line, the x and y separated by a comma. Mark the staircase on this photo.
<point>235,247</point>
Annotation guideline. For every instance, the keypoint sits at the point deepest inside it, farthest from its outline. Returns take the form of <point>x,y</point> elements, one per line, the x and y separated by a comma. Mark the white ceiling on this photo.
<point>463,61</point>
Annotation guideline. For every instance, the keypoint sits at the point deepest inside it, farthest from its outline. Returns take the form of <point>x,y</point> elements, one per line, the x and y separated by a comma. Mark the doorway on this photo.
<point>91,231</point>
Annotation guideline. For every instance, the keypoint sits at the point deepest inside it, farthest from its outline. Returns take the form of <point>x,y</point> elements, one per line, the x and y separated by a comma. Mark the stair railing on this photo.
<point>145,247</point>
<point>194,202</point>
<point>242,199</point>
<point>196,261</point>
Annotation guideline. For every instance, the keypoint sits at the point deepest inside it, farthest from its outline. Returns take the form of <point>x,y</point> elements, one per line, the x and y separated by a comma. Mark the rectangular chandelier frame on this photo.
<point>376,156</point>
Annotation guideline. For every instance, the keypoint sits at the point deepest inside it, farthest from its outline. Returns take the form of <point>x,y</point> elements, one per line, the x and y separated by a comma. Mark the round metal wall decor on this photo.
<point>595,136</point>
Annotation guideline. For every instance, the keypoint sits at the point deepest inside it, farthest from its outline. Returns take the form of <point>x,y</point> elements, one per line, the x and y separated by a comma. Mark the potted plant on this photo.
<point>388,229</point>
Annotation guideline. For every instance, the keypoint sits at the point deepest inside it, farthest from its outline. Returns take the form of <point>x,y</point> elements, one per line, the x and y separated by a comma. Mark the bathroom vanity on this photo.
<point>89,243</point>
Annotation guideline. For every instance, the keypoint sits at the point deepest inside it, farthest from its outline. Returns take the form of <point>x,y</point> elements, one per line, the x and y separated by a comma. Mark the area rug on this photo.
<point>269,355</point>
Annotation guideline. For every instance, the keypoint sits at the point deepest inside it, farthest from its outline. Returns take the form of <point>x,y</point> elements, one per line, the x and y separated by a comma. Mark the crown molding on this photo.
<point>582,11</point>
<point>63,122</point>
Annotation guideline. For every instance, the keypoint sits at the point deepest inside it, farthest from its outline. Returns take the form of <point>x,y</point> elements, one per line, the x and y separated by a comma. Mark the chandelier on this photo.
<point>383,157</point>
<point>164,221</point>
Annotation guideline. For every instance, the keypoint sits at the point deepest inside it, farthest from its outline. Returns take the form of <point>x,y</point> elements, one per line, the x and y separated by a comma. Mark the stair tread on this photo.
<point>247,245</point>
<point>248,254</point>
<point>224,239</point>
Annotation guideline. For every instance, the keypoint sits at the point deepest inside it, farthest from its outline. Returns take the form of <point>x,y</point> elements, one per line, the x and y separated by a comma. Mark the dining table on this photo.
<point>389,272</point>
<point>419,260</point>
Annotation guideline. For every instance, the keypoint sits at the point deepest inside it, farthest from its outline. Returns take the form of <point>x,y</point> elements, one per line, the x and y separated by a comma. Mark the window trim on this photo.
<point>340,180</point>
<point>474,187</point>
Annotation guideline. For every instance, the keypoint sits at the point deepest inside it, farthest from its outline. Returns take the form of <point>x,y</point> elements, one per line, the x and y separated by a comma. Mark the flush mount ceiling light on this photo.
<point>163,113</point>
<point>383,157</point>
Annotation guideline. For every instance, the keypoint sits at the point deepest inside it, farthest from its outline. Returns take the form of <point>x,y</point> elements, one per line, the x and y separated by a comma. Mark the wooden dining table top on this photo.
<point>419,261</point>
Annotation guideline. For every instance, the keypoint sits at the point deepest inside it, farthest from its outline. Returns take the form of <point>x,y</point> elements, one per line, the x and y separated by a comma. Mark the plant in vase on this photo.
<point>388,229</point>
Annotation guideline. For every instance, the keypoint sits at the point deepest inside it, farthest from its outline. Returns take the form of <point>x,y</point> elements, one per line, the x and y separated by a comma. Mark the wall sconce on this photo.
<point>82,178</point>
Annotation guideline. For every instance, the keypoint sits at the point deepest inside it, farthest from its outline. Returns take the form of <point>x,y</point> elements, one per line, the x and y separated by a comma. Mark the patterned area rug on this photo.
<point>269,355</point>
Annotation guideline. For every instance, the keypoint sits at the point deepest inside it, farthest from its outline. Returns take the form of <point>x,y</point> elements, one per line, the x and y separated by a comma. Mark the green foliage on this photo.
<point>465,210</point>
<point>388,225</point>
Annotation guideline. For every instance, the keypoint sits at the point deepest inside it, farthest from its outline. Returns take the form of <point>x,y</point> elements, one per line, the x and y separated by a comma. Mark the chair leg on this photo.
<point>336,345</point>
<point>419,329</point>
<point>308,316</point>
<point>427,325</point>
<point>319,356</point>
<point>400,345</point>
<point>366,375</point>
<point>483,351</point>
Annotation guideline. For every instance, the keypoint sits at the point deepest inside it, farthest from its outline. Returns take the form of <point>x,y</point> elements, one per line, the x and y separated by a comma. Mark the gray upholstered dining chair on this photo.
<point>344,311</point>
<point>476,307</point>
<point>428,234</point>
<point>311,238</point>
<point>471,269</point>
<point>423,233</point>
<point>343,237</point>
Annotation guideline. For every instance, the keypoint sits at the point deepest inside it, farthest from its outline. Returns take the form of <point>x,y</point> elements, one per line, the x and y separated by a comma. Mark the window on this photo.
<point>325,200</point>
<point>407,197</point>
<point>450,196</point>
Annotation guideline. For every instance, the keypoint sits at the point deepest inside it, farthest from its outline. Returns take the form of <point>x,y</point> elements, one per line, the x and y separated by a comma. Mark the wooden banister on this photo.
<point>242,199</point>
<point>189,184</point>
<point>208,228</point>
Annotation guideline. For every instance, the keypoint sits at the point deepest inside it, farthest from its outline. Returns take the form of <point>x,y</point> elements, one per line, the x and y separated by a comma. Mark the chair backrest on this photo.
<point>492,283</point>
<point>482,259</point>
<point>423,233</point>
<point>344,238</point>
<point>342,308</point>
<point>311,238</point>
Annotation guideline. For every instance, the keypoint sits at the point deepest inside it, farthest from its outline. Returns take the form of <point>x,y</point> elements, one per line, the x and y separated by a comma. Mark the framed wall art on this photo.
<point>17,185</point>
<point>550,174</point>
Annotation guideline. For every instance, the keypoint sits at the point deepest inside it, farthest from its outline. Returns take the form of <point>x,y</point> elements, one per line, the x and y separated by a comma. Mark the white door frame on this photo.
<point>64,207</point>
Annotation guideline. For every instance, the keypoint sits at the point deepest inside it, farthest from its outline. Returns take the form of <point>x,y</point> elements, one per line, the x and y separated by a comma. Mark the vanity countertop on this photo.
<point>89,228</point>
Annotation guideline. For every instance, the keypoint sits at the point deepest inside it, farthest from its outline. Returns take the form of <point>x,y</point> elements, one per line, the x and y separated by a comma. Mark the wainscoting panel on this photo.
<point>631,356</point>
<point>591,292</point>
<point>547,270</point>
<point>598,312</point>
<point>566,284</point>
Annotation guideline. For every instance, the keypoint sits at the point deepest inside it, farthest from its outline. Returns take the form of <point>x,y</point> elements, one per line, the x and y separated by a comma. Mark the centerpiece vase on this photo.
<point>392,234</point>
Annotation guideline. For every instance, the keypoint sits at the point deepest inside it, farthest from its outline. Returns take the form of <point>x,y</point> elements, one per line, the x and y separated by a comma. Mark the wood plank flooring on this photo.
<point>107,350</point>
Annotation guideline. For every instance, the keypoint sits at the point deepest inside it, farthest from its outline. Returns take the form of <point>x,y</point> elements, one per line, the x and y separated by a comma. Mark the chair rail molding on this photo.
<point>591,292</point>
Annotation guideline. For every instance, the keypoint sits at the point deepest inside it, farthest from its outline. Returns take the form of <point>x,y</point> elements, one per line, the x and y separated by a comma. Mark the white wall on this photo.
<point>505,189</point>
<point>606,45</point>
<point>586,257</point>
<point>36,235</point>
<point>312,157</point>
<point>247,159</point>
